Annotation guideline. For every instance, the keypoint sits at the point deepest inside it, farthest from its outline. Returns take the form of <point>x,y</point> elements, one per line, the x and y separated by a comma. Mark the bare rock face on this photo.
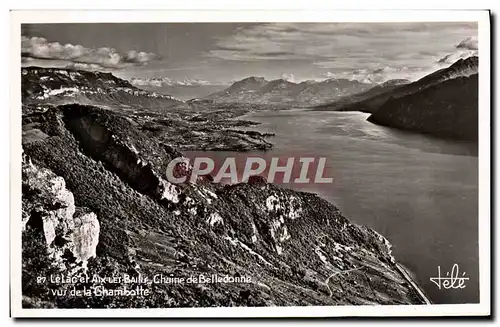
<point>85,235</point>
<point>52,199</point>
<point>50,207</point>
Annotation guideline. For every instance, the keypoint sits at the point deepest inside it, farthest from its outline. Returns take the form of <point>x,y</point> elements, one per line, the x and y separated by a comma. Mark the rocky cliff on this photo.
<point>70,233</point>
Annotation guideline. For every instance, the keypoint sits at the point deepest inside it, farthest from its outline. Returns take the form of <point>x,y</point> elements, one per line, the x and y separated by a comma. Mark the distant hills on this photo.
<point>343,103</point>
<point>185,89</point>
<point>184,92</point>
<point>444,103</point>
<point>258,90</point>
<point>59,86</point>
<point>376,97</point>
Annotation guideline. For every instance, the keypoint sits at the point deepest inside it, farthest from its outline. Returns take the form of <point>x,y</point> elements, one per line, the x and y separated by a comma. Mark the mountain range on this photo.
<point>184,92</point>
<point>165,81</point>
<point>342,103</point>
<point>443,103</point>
<point>371,102</point>
<point>258,90</point>
<point>427,105</point>
<point>448,108</point>
<point>54,85</point>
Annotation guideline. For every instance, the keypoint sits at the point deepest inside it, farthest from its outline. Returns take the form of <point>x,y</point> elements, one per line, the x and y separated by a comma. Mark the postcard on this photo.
<point>250,163</point>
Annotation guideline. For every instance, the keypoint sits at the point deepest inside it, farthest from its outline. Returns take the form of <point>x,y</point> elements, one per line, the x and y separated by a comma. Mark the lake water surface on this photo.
<point>420,192</point>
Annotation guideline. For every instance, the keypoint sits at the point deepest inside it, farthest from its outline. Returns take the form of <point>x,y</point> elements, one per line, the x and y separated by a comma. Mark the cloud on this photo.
<point>464,49</point>
<point>165,81</point>
<point>154,82</point>
<point>138,57</point>
<point>84,66</point>
<point>329,75</point>
<point>409,49</point>
<point>289,77</point>
<point>289,41</point>
<point>94,58</point>
<point>469,43</point>
<point>379,75</point>
<point>453,57</point>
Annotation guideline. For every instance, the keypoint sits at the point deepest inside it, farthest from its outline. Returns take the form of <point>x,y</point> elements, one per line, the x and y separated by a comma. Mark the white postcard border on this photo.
<point>484,178</point>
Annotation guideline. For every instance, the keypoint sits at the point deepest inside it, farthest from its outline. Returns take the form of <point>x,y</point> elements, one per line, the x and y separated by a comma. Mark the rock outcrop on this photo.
<point>71,234</point>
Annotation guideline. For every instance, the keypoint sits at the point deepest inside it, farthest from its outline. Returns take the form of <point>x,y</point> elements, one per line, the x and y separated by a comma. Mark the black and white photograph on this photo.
<point>326,167</point>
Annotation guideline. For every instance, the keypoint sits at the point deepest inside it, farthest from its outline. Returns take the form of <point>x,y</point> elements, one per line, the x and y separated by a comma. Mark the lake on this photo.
<point>420,192</point>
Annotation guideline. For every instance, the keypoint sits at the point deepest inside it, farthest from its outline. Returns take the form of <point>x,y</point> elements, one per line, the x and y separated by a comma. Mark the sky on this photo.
<point>219,53</point>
